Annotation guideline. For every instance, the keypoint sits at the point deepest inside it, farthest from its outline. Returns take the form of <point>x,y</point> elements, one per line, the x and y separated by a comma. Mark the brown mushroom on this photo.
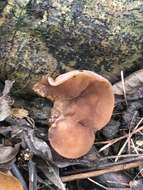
<point>8,182</point>
<point>83,101</point>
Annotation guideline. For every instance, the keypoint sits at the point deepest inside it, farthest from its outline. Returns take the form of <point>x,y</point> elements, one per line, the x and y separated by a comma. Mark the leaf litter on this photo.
<point>19,133</point>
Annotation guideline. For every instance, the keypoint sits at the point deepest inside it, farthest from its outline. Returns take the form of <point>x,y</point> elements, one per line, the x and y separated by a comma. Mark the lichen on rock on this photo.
<point>40,37</point>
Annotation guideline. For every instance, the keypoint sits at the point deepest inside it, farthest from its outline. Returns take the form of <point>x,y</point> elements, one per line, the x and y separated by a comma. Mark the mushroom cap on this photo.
<point>8,182</point>
<point>71,140</point>
<point>85,95</point>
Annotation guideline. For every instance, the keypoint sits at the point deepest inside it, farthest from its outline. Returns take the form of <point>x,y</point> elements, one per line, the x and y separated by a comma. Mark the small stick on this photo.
<point>97,183</point>
<point>134,147</point>
<point>123,84</point>
<point>121,150</point>
<point>113,141</point>
<point>94,173</point>
<point>141,120</point>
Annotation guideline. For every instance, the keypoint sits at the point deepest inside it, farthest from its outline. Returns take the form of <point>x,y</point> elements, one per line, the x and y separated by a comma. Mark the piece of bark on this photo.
<point>132,83</point>
<point>50,37</point>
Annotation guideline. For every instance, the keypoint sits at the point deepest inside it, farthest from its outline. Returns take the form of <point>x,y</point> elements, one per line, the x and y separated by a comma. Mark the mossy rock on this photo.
<point>52,37</point>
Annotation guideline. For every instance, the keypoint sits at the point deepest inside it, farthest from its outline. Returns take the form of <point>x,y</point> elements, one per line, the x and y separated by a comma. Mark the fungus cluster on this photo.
<point>83,104</point>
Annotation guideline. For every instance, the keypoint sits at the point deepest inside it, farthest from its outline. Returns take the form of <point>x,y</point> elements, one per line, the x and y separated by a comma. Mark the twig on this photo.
<point>134,147</point>
<point>110,142</point>
<point>119,188</point>
<point>138,174</point>
<point>113,141</point>
<point>122,156</point>
<point>121,150</point>
<point>139,149</point>
<point>141,120</point>
<point>97,183</point>
<point>123,84</point>
<point>94,173</point>
<point>128,141</point>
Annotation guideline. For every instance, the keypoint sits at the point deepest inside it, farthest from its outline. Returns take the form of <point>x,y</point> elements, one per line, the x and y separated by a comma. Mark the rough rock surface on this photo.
<point>50,37</point>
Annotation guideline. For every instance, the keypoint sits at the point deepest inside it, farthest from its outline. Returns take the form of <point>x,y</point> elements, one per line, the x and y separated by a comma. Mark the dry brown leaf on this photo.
<point>19,112</point>
<point>132,83</point>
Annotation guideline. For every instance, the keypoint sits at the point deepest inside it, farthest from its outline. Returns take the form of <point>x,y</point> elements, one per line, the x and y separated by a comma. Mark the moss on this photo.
<point>25,59</point>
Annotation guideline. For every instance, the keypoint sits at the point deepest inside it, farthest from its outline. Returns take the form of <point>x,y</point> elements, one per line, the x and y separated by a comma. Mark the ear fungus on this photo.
<point>83,104</point>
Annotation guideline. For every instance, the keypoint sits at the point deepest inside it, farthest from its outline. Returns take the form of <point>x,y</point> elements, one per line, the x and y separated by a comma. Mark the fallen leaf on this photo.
<point>7,87</point>
<point>132,83</point>
<point>19,112</point>
<point>52,173</point>
<point>4,108</point>
<point>139,143</point>
<point>8,153</point>
<point>7,156</point>
<point>5,100</point>
<point>36,145</point>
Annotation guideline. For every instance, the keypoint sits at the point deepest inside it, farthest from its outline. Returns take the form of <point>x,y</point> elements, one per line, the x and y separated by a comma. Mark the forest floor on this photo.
<point>114,162</point>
